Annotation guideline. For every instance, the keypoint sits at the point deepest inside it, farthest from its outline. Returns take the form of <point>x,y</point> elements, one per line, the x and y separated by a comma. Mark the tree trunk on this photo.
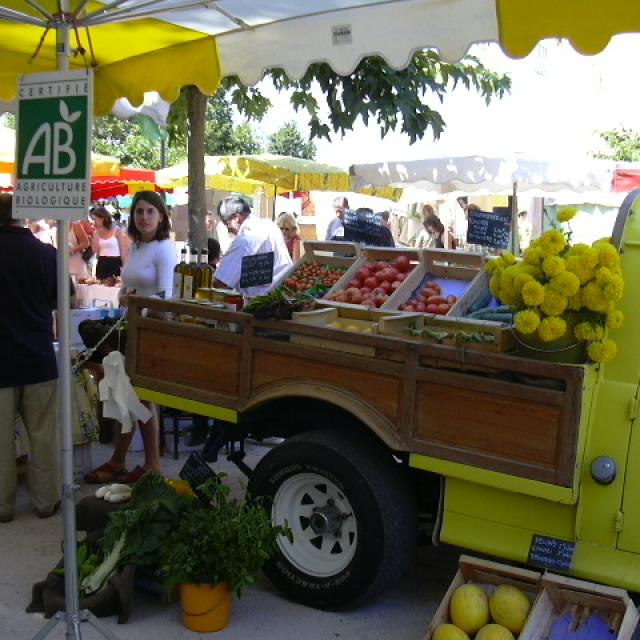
<point>197,107</point>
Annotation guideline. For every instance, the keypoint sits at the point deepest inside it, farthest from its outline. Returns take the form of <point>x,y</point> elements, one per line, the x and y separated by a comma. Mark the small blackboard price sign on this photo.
<point>489,229</point>
<point>551,553</point>
<point>362,226</point>
<point>196,471</point>
<point>256,270</point>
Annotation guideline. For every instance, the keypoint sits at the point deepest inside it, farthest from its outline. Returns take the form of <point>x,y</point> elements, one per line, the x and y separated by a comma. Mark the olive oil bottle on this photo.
<point>190,276</point>
<point>206,271</point>
<point>178,274</point>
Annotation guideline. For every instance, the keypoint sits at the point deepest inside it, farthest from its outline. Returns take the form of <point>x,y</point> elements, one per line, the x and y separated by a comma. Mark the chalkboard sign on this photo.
<point>489,229</point>
<point>256,270</point>
<point>196,471</point>
<point>362,226</point>
<point>551,553</point>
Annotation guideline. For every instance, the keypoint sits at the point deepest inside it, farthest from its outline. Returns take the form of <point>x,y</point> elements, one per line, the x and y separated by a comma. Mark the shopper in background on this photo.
<point>147,272</point>
<point>436,230</point>
<point>29,372</point>
<point>525,231</point>
<point>335,230</point>
<point>109,245</point>
<point>78,243</point>
<point>426,240</point>
<point>253,235</point>
<point>291,234</point>
<point>213,247</point>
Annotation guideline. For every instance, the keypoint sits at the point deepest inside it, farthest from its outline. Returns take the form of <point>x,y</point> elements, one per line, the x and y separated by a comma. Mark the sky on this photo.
<point>559,99</point>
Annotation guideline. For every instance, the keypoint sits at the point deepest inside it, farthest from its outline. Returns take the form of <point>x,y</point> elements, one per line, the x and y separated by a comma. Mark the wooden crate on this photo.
<point>334,254</point>
<point>487,575</point>
<point>465,333</point>
<point>458,267</point>
<point>370,254</point>
<point>561,595</point>
<point>356,320</point>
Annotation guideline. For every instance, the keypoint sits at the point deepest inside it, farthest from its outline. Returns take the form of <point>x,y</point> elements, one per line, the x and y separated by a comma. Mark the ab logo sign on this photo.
<point>53,164</point>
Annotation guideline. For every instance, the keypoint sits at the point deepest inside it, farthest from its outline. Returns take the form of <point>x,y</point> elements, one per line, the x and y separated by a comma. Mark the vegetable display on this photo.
<point>314,278</point>
<point>374,282</point>
<point>428,298</point>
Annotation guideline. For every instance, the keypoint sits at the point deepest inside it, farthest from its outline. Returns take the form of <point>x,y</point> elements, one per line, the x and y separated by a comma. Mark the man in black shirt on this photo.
<point>28,369</point>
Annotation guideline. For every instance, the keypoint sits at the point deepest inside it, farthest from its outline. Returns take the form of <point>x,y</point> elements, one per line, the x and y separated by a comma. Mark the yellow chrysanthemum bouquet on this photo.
<point>561,288</point>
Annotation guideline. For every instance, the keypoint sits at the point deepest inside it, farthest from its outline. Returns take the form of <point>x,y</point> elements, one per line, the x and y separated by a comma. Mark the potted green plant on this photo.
<point>217,548</point>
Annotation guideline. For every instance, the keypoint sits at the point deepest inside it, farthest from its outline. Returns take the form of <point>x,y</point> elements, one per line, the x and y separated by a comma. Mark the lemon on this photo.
<point>509,607</point>
<point>494,632</point>
<point>469,608</point>
<point>448,632</point>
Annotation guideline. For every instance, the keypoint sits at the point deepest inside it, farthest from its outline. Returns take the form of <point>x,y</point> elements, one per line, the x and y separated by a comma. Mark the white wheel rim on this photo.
<point>302,497</point>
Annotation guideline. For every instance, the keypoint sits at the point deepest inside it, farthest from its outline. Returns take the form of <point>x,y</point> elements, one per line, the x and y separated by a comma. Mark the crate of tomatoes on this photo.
<point>319,269</point>
<point>373,280</point>
<point>438,283</point>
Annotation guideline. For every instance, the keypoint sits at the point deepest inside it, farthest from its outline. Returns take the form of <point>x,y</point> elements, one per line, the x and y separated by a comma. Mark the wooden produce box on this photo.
<point>355,319</point>
<point>561,596</point>
<point>465,333</point>
<point>454,271</point>
<point>487,575</point>
<point>332,254</point>
<point>371,254</point>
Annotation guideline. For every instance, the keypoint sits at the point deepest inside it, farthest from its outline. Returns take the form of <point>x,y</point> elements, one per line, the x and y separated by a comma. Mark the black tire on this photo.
<point>383,509</point>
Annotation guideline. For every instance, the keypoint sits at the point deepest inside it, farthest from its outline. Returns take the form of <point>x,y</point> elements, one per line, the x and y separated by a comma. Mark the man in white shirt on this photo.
<point>254,236</point>
<point>335,228</point>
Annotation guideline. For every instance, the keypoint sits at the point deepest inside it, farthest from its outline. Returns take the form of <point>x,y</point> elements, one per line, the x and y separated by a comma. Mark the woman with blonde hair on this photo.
<point>291,232</point>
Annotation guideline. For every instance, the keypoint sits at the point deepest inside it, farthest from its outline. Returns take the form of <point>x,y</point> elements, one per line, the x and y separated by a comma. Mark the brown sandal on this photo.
<point>105,473</point>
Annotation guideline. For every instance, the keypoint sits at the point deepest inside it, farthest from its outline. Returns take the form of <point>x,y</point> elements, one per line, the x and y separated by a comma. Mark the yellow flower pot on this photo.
<point>205,607</point>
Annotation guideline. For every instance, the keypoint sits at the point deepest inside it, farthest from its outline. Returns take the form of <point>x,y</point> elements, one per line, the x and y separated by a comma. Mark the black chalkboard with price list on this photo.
<point>551,553</point>
<point>362,227</point>
<point>256,270</point>
<point>489,229</point>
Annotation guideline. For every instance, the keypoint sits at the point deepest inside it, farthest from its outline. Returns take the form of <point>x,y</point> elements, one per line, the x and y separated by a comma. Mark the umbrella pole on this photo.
<point>514,221</point>
<point>73,617</point>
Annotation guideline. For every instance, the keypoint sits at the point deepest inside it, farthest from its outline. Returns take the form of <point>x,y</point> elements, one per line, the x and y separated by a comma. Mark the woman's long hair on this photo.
<point>152,198</point>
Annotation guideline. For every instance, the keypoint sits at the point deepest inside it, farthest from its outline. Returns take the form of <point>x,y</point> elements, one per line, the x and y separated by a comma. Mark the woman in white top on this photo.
<point>109,245</point>
<point>147,272</point>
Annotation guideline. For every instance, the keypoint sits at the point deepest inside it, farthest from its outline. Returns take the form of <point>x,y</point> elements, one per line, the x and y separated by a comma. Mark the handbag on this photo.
<point>92,331</point>
<point>87,254</point>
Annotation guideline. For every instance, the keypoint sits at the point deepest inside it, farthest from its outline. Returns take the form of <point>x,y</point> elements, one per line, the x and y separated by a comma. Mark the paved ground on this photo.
<point>30,547</point>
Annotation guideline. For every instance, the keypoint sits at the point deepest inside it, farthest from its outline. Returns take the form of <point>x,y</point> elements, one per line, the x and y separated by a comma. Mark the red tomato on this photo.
<point>400,276</point>
<point>421,298</point>
<point>381,265</point>
<point>395,284</point>
<point>436,300</point>
<point>364,273</point>
<point>385,285</point>
<point>409,307</point>
<point>355,283</point>
<point>365,290</point>
<point>432,308</point>
<point>428,293</point>
<point>421,307</point>
<point>434,285</point>
<point>341,297</point>
<point>444,308</point>
<point>402,264</point>
<point>371,283</point>
<point>452,299</point>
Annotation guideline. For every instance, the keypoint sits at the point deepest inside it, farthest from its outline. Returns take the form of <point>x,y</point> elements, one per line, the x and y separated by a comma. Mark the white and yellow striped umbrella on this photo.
<point>163,45</point>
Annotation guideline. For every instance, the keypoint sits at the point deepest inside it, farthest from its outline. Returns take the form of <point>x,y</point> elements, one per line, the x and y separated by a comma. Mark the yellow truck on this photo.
<point>531,461</point>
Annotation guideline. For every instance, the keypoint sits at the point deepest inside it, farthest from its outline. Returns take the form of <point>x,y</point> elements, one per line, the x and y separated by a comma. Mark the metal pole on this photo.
<point>514,221</point>
<point>72,598</point>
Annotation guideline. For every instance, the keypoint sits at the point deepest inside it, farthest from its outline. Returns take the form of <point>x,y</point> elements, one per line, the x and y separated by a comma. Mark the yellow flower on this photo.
<point>575,302</point>
<point>551,329</point>
<point>508,258</point>
<point>520,280</point>
<point>578,249</point>
<point>493,265</point>
<point>602,351</point>
<point>579,267</point>
<point>533,256</point>
<point>589,258</point>
<point>608,255</point>
<point>593,297</point>
<point>533,293</point>
<point>494,285</point>
<point>614,290</point>
<point>564,215</point>
<point>509,296</point>
<point>615,319</point>
<point>552,241</point>
<point>565,283</point>
<point>526,322</point>
<point>603,276</point>
<point>554,303</point>
<point>552,266</point>
<point>588,331</point>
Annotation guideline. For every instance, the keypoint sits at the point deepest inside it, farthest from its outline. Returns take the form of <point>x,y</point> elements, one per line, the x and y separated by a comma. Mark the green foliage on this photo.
<point>226,540</point>
<point>151,515</point>
<point>124,139</point>
<point>624,145</point>
<point>374,91</point>
<point>288,140</point>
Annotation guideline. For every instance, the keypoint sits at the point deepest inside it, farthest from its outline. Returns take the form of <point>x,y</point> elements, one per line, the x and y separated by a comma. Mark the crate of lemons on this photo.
<point>563,292</point>
<point>485,601</point>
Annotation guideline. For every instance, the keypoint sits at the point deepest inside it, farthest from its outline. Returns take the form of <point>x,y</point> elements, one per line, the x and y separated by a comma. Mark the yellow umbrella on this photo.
<point>162,45</point>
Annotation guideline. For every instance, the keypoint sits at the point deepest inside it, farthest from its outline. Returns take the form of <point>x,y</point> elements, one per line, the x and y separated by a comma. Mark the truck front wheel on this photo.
<point>352,513</point>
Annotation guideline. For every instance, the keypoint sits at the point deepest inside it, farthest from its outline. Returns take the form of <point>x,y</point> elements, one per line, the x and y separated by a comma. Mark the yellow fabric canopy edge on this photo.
<point>587,24</point>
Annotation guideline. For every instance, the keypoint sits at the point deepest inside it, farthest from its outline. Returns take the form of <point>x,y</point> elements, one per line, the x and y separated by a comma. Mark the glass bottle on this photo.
<point>178,274</point>
<point>190,276</point>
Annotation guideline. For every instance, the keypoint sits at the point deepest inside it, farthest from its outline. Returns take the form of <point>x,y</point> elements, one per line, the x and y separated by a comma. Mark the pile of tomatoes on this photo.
<point>312,274</point>
<point>374,282</point>
<point>428,298</point>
